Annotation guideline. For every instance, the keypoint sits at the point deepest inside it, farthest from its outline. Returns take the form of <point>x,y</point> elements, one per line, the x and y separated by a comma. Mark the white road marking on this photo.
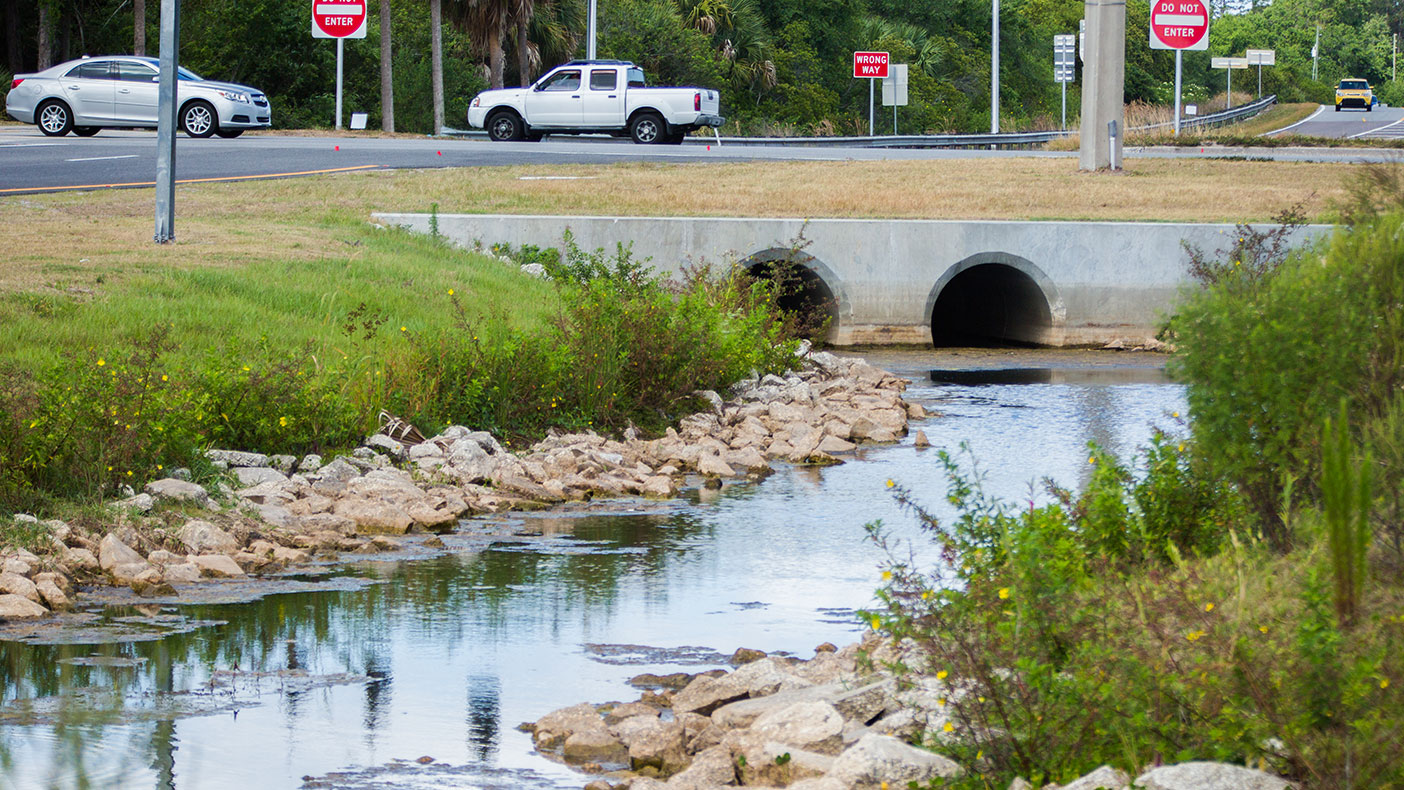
<point>102,158</point>
<point>4,144</point>
<point>1377,131</point>
<point>1320,109</point>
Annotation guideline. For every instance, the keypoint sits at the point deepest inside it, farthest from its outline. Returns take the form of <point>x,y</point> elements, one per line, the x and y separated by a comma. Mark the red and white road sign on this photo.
<point>1179,24</point>
<point>872,65</point>
<point>338,18</point>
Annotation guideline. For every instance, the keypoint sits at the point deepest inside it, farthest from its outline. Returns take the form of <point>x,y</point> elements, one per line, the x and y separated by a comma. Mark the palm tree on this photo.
<point>387,82</point>
<point>486,22</point>
<point>138,27</point>
<point>436,57</point>
<point>46,47</point>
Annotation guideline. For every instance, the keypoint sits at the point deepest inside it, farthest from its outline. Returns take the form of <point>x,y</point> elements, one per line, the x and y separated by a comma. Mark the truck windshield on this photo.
<point>636,78</point>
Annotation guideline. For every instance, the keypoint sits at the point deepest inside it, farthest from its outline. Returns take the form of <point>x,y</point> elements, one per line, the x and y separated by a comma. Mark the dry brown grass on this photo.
<point>75,239</point>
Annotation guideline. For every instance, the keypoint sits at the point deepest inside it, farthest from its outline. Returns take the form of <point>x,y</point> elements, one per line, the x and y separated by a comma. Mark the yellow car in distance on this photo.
<point>1354,93</point>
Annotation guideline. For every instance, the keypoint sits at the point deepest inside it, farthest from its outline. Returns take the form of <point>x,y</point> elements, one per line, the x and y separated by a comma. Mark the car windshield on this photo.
<point>1354,85</point>
<point>187,75</point>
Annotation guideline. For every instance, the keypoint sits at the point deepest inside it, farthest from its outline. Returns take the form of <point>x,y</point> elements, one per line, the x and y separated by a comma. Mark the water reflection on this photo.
<point>444,657</point>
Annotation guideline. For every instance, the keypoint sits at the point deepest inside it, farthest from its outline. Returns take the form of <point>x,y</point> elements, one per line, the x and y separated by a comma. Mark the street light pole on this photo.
<point>994,70</point>
<point>590,34</point>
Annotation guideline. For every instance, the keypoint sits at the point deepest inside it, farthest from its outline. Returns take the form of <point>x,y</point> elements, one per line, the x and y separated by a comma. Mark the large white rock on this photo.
<point>172,490</point>
<point>875,759</point>
<point>813,725</point>
<point>1209,776</point>
<point>252,476</point>
<point>53,596</point>
<point>17,607</point>
<point>217,565</point>
<point>16,584</point>
<point>705,694</point>
<point>113,552</point>
<point>202,537</point>
<point>710,768</point>
<point>1104,778</point>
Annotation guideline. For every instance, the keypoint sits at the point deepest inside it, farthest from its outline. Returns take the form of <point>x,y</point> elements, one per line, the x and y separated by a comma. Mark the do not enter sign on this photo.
<point>338,18</point>
<point>1179,24</point>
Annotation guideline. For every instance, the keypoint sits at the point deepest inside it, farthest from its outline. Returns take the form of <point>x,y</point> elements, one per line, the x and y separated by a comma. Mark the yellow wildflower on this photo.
<point>890,484</point>
<point>101,362</point>
<point>1384,683</point>
<point>450,292</point>
<point>948,727</point>
<point>1003,593</point>
<point>887,576</point>
<point>1262,628</point>
<point>1208,607</point>
<point>942,675</point>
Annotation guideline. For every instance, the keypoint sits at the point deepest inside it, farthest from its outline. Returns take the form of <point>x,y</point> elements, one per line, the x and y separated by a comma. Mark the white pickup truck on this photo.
<point>593,96</point>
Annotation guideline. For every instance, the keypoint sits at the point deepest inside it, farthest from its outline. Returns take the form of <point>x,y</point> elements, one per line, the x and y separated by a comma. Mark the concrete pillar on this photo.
<point>1103,83</point>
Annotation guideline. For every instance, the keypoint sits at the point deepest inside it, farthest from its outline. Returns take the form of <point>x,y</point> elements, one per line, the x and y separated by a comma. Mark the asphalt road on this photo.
<point>1382,123</point>
<point>31,162</point>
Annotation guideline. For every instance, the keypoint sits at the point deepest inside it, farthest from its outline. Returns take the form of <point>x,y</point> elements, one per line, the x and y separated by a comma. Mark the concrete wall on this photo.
<point>1102,280</point>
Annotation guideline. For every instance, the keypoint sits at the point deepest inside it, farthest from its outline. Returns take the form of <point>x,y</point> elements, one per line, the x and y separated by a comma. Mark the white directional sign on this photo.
<point>894,86</point>
<point>1261,57</point>
<point>1064,67</point>
<point>1228,63</point>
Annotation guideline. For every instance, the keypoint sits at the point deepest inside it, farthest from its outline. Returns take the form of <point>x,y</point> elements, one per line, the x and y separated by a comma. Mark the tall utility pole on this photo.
<point>436,61</point>
<point>994,69</point>
<point>1103,84</point>
<point>590,33</point>
<point>387,75</point>
<point>1315,50</point>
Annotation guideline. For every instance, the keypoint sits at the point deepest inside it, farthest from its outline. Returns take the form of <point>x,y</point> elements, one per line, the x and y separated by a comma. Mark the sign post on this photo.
<point>871,66</point>
<point>894,90</point>
<point>166,121</point>
<point>339,19</point>
<point>1260,58</point>
<point>1179,25</point>
<point>1064,67</point>
<point>1228,65</point>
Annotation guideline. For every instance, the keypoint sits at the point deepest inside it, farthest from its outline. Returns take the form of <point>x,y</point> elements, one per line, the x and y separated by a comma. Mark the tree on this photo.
<point>387,68</point>
<point>436,49</point>
<point>138,27</point>
<point>45,44</point>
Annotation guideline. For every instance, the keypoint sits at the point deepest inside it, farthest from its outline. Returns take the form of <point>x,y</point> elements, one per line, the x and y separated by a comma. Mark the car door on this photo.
<point>89,89</point>
<point>138,93</point>
<point>556,100</point>
<point>603,99</point>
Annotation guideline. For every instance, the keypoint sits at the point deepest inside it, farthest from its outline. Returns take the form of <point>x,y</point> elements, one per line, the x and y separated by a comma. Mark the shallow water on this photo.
<point>350,687</point>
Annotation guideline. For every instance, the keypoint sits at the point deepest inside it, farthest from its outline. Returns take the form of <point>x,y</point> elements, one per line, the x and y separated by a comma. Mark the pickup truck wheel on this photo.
<point>676,138</point>
<point>647,128</point>
<point>504,127</point>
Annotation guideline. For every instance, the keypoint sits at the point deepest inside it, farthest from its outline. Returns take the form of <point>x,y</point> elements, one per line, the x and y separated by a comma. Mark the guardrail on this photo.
<point>1001,140</point>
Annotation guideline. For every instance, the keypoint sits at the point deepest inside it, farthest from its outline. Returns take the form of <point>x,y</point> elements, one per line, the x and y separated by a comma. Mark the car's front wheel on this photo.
<point>504,127</point>
<point>229,134</point>
<point>647,128</point>
<point>86,131</point>
<point>54,118</point>
<point>198,119</point>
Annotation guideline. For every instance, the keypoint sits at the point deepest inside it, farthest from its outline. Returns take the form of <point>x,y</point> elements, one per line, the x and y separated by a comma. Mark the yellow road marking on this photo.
<point>194,180</point>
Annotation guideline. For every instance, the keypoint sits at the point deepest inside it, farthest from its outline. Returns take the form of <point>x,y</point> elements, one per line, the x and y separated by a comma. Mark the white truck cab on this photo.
<point>595,96</point>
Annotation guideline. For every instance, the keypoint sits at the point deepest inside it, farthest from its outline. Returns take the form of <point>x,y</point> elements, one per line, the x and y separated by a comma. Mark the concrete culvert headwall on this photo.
<point>799,288</point>
<point>991,304</point>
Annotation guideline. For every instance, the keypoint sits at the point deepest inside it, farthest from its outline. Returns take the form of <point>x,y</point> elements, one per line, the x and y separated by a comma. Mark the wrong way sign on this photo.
<point>870,64</point>
<point>338,18</point>
<point>1179,24</point>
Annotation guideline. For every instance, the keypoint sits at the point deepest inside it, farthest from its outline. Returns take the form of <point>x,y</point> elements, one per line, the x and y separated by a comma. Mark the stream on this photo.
<point>415,674</point>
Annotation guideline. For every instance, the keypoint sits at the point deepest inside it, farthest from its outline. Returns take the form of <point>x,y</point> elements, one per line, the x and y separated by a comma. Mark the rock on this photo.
<point>181,573</point>
<point>772,763</point>
<point>653,743</point>
<point>704,694</point>
<point>217,565</point>
<point>596,746</point>
<point>921,441</point>
<point>659,487</point>
<point>17,566</point>
<point>819,783</point>
<point>17,607</point>
<point>384,444</point>
<point>287,464</point>
<point>172,490</point>
<point>128,572</point>
<point>865,703</point>
<point>712,767</point>
<point>289,556</point>
<point>812,725</point>
<point>916,411</point>
<point>1208,776</point>
<point>712,399</point>
<point>80,559</point>
<point>16,584</point>
<point>331,480</point>
<point>1020,783</point>
<point>236,458</point>
<point>764,677</point>
<point>712,465</point>
<point>552,729</point>
<point>309,463</point>
<point>1104,778</point>
<point>875,759</point>
<point>202,537</point>
<point>250,476</point>
<point>141,503</point>
<point>833,444</point>
<point>113,552</point>
<point>53,596</point>
<point>374,517</point>
<point>745,655</point>
<point>629,710</point>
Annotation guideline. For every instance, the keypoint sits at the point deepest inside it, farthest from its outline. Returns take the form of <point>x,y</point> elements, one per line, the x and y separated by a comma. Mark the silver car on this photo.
<point>85,96</point>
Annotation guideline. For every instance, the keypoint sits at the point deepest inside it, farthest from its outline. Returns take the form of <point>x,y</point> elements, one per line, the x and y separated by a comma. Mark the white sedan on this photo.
<point>87,95</point>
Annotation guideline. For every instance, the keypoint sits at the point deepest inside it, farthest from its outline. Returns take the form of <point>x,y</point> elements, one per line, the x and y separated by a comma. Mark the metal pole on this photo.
<point>339,48</point>
<point>994,69</point>
<point>1260,78</point>
<point>166,122</point>
<point>1315,51</point>
<point>1394,59</point>
<point>1065,104</point>
<point>1178,59</point>
<point>1113,150</point>
<point>590,34</point>
<point>1228,103</point>
<point>870,106</point>
<point>894,113</point>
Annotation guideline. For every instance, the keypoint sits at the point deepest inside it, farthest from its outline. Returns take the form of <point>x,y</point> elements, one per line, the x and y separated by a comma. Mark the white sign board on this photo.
<point>894,86</point>
<point>1228,63</point>
<point>1191,109</point>
<point>1064,66</point>
<point>1262,57</point>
